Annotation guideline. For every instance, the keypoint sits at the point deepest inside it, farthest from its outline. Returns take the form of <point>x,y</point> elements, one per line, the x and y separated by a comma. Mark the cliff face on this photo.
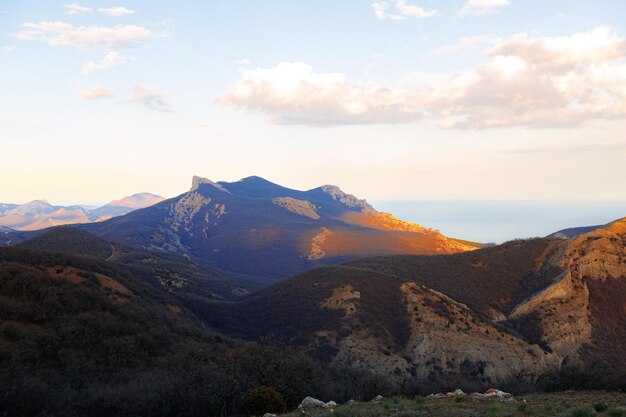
<point>564,308</point>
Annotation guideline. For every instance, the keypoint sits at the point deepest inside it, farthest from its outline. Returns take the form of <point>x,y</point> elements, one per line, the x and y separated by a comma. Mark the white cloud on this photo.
<point>116,11</point>
<point>92,37</point>
<point>73,9</point>
<point>149,98</point>
<point>400,10</point>
<point>531,81</point>
<point>482,7</point>
<point>8,48</point>
<point>292,93</point>
<point>110,60</point>
<point>97,93</point>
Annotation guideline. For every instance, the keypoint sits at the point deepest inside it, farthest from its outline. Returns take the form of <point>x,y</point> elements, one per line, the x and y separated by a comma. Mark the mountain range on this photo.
<point>226,266</point>
<point>39,214</point>
<point>258,228</point>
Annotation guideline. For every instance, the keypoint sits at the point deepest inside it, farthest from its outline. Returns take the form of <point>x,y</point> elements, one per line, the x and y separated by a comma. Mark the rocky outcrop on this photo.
<point>301,207</point>
<point>347,200</point>
<point>317,252</point>
<point>310,403</point>
<point>343,298</point>
<point>183,211</point>
<point>196,182</point>
<point>562,308</point>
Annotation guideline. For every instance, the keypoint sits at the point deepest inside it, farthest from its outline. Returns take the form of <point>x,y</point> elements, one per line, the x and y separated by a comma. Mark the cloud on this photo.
<point>92,37</point>
<point>529,81</point>
<point>116,11</point>
<point>482,7</point>
<point>76,9</point>
<point>110,60</point>
<point>7,48</point>
<point>292,93</point>
<point>97,93</point>
<point>149,98</point>
<point>400,10</point>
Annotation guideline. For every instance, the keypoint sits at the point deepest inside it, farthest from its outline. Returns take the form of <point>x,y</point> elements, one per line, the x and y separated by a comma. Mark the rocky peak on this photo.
<point>345,199</point>
<point>196,182</point>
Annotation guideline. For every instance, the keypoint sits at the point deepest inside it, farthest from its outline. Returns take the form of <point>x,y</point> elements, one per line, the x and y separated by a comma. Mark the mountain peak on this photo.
<point>138,200</point>
<point>32,208</point>
<point>255,178</point>
<point>197,181</point>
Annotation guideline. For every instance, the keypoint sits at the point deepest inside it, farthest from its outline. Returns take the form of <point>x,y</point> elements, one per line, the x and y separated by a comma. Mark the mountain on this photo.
<point>543,313</point>
<point>125,205</point>
<point>173,273</point>
<point>6,207</point>
<point>259,228</point>
<point>572,232</point>
<point>39,214</point>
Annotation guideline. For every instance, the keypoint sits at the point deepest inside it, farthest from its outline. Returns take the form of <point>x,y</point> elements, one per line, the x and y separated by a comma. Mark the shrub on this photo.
<point>581,412</point>
<point>600,407</point>
<point>263,400</point>
<point>615,412</point>
<point>521,407</point>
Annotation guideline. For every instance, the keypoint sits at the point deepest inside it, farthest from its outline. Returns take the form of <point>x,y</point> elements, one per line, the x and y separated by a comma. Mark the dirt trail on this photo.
<point>113,254</point>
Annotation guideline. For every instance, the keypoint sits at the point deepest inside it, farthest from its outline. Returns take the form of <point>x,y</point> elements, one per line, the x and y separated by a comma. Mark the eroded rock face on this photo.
<point>301,207</point>
<point>317,242</point>
<point>184,210</point>
<point>343,298</point>
<point>562,308</point>
<point>446,338</point>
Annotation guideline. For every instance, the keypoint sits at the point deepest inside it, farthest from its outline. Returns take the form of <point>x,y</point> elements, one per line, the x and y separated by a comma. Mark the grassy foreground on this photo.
<point>561,404</point>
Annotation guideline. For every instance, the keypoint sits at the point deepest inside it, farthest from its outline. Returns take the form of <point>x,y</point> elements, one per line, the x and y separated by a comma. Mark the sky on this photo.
<point>397,100</point>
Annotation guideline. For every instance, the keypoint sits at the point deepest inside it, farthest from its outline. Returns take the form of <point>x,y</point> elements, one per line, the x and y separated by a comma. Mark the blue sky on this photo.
<point>391,100</point>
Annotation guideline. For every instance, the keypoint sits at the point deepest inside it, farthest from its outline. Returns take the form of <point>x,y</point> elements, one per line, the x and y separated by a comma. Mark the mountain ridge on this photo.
<point>40,214</point>
<point>256,227</point>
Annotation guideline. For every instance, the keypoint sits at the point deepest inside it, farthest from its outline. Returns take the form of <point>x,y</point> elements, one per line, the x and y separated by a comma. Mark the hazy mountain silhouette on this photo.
<point>39,214</point>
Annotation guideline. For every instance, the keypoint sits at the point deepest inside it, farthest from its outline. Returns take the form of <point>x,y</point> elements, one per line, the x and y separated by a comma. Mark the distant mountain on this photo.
<point>6,207</point>
<point>125,205</point>
<point>39,214</point>
<point>542,313</point>
<point>259,228</point>
<point>572,232</point>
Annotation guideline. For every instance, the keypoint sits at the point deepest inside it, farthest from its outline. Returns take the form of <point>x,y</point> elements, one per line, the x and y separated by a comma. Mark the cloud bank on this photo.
<point>526,80</point>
